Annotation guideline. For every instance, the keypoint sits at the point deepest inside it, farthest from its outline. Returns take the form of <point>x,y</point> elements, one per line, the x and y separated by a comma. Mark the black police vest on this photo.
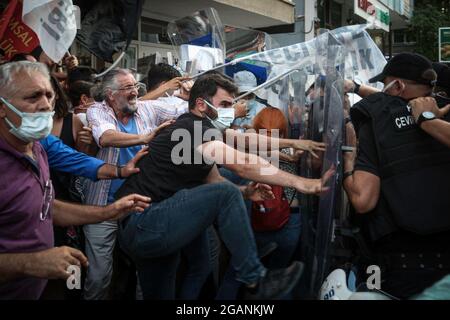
<point>414,169</point>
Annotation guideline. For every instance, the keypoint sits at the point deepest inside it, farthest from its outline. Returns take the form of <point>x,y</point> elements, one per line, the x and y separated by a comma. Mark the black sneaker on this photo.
<point>276,283</point>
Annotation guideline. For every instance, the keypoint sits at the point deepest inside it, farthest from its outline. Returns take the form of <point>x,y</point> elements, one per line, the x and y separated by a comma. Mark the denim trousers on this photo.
<point>154,238</point>
<point>201,257</point>
<point>286,239</point>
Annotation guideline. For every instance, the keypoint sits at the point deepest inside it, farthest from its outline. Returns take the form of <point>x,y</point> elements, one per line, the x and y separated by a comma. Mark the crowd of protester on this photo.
<point>94,175</point>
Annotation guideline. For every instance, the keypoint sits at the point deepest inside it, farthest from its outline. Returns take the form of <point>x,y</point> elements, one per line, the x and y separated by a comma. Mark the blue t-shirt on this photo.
<point>125,155</point>
<point>63,158</point>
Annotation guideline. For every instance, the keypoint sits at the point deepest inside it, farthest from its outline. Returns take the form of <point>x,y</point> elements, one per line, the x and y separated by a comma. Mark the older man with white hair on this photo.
<point>27,208</point>
<point>121,124</point>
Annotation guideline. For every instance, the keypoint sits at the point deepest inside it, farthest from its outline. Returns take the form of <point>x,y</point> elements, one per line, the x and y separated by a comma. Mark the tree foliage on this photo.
<point>428,17</point>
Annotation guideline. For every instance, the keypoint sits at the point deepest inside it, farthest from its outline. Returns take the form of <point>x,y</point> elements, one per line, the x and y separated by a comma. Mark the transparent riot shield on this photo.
<point>325,120</point>
<point>199,40</point>
<point>329,202</point>
<point>298,110</point>
<point>241,42</point>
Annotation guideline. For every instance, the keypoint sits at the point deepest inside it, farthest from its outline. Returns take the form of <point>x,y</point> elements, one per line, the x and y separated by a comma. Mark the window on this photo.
<point>404,36</point>
<point>336,14</point>
<point>399,36</point>
<point>411,37</point>
<point>154,31</point>
<point>330,14</point>
<point>129,60</point>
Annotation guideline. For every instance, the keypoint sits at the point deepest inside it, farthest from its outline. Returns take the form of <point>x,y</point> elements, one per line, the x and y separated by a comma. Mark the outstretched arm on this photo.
<point>252,167</point>
<point>253,141</point>
<point>70,214</point>
<point>253,191</point>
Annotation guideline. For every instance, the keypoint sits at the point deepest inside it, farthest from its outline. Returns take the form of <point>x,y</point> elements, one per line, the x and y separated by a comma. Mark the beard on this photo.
<point>130,106</point>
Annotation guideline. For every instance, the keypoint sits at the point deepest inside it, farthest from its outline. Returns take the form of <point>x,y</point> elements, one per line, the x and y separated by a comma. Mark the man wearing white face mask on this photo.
<point>27,208</point>
<point>224,116</point>
<point>399,179</point>
<point>190,195</point>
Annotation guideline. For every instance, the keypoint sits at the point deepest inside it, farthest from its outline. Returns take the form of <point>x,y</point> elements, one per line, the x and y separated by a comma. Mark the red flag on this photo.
<point>15,36</point>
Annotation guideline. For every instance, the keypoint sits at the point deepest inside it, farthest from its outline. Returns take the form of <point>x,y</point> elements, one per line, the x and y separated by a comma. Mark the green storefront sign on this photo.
<point>444,45</point>
<point>383,16</point>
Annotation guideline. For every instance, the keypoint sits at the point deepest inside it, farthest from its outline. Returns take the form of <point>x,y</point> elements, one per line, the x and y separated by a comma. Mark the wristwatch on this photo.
<point>356,87</point>
<point>425,116</point>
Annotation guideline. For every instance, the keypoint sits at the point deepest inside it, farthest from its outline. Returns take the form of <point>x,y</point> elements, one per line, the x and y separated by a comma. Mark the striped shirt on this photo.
<point>101,117</point>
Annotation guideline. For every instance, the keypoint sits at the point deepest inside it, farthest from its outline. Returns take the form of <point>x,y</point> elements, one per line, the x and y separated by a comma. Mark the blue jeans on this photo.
<point>200,256</point>
<point>154,238</point>
<point>286,239</point>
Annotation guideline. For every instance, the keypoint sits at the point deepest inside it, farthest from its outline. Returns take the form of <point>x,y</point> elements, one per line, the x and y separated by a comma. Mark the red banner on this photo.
<point>15,36</point>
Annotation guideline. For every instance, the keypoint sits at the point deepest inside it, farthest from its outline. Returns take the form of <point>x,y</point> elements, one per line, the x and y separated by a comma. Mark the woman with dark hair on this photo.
<point>68,127</point>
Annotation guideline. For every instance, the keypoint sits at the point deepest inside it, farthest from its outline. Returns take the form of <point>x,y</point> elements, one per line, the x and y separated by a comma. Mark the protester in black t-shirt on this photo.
<point>181,176</point>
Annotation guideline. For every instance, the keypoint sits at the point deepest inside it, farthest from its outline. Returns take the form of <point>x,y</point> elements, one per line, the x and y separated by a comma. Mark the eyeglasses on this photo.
<point>135,86</point>
<point>47,201</point>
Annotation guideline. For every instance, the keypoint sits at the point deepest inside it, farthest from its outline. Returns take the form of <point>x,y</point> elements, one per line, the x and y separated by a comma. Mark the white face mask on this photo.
<point>35,126</point>
<point>172,98</point>
<point>389,85</point>
<point>225,117</point>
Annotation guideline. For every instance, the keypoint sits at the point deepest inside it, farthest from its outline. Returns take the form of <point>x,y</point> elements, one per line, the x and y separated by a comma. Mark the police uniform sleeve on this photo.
<point>367,157</point>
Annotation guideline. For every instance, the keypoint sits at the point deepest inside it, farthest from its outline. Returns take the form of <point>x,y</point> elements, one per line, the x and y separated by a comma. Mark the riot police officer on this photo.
<point>398,180</point>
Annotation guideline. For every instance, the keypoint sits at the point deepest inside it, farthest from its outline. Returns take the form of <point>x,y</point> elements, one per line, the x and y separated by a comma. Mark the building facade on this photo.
<point>287,21</point>
<point>390,16</point>
<point>151,34</point>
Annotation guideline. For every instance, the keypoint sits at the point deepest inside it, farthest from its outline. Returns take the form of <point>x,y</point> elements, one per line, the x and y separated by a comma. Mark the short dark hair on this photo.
<point>20,57</point>
<point>84,73</point>
<point>79,88</point>
<point>206,87</point>
<point>443,76</point>
<point>62,104</point>
<point>36,52</point>
<point>160,72</point>
<point>217,72</point>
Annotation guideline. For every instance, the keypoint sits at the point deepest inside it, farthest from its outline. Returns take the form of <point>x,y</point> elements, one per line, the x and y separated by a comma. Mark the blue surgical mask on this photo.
<point>34,126</point>
<point>225,117</point>
<point>252,104</point>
